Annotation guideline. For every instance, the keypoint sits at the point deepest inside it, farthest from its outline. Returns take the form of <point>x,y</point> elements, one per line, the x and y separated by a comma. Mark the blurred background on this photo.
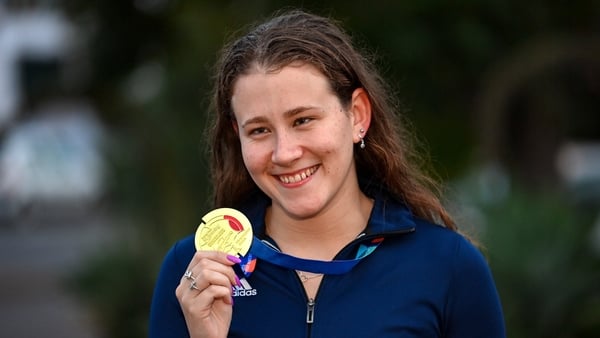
<point>102,163</point>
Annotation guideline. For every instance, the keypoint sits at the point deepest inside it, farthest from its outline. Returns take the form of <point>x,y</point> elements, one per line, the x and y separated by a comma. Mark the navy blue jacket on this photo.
<point>422,281</point>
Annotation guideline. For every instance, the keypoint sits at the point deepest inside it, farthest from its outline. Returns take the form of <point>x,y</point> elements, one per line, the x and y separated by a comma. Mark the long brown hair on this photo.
<point>298,36</point>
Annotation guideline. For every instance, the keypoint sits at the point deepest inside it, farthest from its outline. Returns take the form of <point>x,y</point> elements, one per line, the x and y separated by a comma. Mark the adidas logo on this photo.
<point>245,290</point>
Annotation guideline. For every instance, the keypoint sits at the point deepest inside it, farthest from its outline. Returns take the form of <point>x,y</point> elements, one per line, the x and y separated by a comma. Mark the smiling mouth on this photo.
<point>299,176</point>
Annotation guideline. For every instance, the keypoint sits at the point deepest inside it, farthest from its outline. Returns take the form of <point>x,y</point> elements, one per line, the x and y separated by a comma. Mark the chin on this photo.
<point>302,212</point>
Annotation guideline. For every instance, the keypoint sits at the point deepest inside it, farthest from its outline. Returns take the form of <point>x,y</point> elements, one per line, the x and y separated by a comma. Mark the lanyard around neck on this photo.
<point>266,252</point>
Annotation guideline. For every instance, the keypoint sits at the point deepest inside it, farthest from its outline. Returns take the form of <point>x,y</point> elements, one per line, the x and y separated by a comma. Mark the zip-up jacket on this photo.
<point>423,280</point>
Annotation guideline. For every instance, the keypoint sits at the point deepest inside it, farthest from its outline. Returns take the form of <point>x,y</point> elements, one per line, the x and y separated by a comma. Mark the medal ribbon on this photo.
<point>263,251</point>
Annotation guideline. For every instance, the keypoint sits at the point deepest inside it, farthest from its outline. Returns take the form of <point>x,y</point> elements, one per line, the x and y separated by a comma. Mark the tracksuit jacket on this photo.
<point>423,280</point>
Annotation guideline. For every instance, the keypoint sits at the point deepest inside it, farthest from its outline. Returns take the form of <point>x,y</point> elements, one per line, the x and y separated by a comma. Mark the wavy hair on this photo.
<point>299,37</point>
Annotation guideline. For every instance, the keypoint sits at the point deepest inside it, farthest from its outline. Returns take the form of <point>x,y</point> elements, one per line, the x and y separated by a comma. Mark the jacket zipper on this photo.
<point>310,305</point>
<point>310,312</point>
<point>310,316</point>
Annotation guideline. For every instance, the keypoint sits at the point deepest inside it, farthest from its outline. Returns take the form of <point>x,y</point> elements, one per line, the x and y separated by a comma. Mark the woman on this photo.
<point>306,144</point>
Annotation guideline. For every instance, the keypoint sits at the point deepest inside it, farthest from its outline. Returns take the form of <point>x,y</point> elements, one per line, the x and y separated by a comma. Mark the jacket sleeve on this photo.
<point>473,306</point>
<point>166,317</point>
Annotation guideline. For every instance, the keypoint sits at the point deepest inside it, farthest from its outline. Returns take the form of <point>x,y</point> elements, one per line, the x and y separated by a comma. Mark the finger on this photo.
<point>217,256</point>
<point>204,260</point>
<point>211,274</point>
<point>205,294</point>
<point>205,273</point>
<point>219,292</point>
<point>204,297</point>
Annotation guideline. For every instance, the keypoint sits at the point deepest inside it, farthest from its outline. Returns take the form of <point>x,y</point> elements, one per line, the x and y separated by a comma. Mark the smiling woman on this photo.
<point>297,144</point>
<point>307,145</point>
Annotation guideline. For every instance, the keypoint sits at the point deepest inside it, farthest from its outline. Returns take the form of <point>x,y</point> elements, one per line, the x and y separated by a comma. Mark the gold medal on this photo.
<point>225,229</point>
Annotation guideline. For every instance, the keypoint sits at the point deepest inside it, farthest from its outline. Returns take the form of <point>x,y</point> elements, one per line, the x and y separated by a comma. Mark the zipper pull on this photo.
<point>310,311</point>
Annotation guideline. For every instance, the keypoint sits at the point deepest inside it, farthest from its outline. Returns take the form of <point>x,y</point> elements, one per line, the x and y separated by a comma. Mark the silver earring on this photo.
<point>362,140</point>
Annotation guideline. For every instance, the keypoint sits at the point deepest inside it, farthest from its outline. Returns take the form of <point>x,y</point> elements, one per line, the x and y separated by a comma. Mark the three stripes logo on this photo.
<point>245,290</point>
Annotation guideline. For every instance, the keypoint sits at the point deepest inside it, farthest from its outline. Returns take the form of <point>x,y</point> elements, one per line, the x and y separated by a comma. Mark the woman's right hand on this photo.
<point>205,294</point>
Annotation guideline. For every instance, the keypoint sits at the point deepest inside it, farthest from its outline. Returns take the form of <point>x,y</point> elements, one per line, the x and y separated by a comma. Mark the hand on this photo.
<point>205,294</point>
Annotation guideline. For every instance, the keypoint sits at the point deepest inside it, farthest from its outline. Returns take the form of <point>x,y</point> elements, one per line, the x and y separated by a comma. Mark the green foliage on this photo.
<point>117,285</point>
<point>547,275</point>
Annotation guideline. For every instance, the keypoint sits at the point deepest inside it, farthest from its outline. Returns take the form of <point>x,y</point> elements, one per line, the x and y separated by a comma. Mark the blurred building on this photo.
<point>50,138</point>
<point>52,166</point>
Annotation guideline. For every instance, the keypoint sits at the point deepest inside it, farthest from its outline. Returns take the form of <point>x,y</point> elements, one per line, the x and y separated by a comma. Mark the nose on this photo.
<point>286,150</point>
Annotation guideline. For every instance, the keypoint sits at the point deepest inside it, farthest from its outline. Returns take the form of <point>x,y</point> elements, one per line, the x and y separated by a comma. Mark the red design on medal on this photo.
<point>234,223</point>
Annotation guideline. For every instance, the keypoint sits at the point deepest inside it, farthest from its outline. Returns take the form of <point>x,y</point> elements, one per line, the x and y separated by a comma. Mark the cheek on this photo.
<point>252,156</point>
<point>247,155</point>
<point>331,144</point>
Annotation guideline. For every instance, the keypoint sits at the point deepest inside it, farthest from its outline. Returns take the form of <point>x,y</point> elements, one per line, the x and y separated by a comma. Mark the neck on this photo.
<point>322,236</point>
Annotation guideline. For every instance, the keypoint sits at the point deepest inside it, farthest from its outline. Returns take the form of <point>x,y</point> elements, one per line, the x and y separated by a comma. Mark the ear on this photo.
<point>361,113</point>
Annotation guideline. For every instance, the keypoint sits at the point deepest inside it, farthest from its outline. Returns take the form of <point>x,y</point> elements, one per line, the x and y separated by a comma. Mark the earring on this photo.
<point>362,140</point>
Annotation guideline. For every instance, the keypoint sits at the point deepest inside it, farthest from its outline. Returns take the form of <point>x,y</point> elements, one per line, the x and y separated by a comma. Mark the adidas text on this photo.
<point>244,293</point>
<point>244,290</point>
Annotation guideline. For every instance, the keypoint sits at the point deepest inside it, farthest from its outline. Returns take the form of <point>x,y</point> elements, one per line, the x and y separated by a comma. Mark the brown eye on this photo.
<point>258,131</point>
<point>302,120</point>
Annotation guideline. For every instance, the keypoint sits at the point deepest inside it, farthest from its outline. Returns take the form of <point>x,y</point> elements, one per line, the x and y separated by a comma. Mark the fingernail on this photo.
<point>233,259</point>
<point>237,281</point>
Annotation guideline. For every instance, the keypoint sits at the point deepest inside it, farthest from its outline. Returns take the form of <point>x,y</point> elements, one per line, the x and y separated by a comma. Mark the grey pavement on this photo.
<point>36,255</point>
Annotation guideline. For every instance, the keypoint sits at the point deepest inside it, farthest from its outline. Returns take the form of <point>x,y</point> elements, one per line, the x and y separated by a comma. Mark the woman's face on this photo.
<point>296,139</point>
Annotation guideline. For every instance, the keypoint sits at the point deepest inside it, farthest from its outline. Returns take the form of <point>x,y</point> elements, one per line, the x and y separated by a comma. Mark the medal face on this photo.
<point>226,230</point>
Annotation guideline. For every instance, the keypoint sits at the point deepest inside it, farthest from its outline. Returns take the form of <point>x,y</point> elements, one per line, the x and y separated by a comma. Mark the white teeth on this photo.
<point>298,177</point>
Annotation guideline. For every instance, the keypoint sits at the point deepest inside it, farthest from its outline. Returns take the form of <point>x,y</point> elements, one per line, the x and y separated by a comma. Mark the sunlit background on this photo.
<point>102,163</point>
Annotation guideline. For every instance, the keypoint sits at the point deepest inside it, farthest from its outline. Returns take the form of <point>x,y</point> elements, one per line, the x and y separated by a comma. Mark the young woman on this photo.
<point>307,145</point>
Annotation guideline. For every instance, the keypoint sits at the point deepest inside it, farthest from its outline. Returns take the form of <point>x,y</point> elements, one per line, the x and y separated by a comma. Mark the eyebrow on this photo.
<point>286,114</point>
